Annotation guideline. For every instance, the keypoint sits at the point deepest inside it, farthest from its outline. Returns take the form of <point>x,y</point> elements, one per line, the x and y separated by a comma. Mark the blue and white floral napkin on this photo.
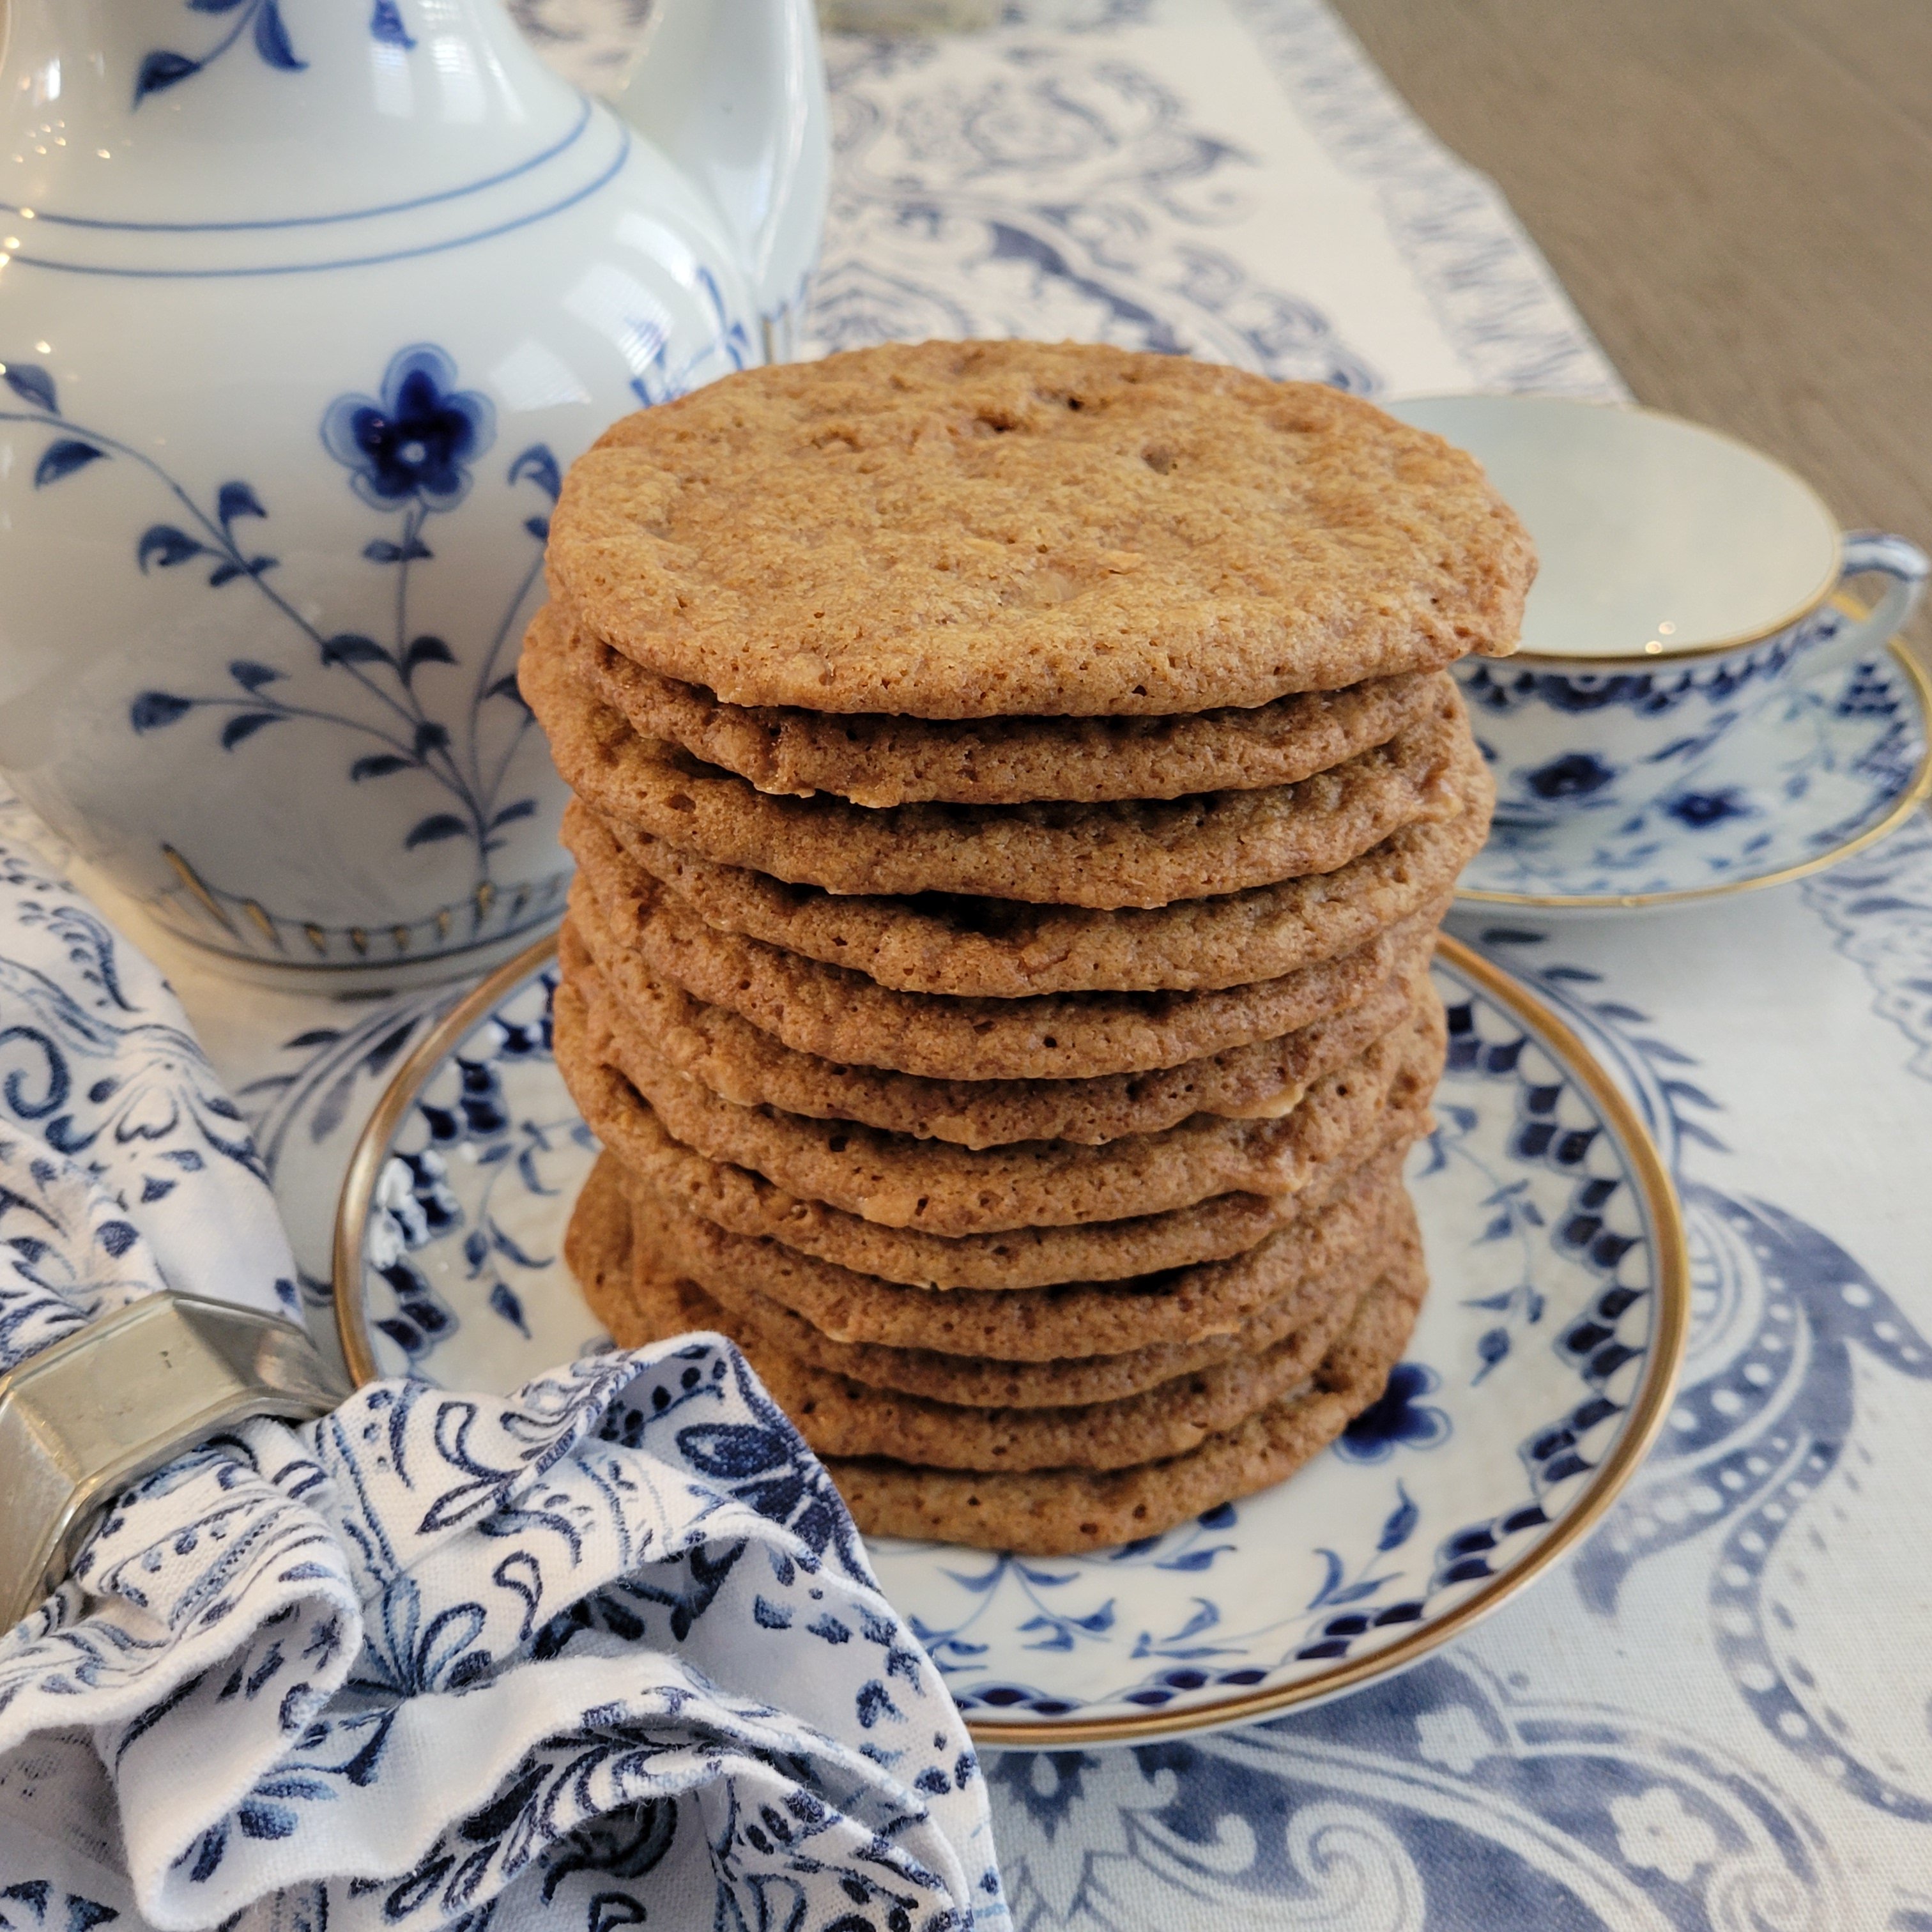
<point>605,1653</point>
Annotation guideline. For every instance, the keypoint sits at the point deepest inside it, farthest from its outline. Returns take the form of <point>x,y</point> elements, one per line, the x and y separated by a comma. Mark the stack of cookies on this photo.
<point>1016,788</point>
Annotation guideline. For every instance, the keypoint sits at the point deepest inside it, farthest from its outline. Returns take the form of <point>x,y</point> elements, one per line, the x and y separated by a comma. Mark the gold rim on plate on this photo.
<point>372,1146</point>
<point>1914,795</point>
<point>1669,1330</point>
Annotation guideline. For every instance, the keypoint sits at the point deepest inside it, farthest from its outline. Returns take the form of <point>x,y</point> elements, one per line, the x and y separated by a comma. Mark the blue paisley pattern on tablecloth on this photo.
<point>1062,196</point>
<point>1879,910</point>
<point>1492,295</point>
<point>1445,1795</point>
<point>1767,1401</point>
<point>1068,189</point>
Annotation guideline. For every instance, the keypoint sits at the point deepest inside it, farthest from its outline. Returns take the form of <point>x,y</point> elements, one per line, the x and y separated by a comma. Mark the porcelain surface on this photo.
<point>1683,595</point>
<point>1649,530</point>
<point>1830,766</point>
<point>1541,1363</point>
<point>270,553</point>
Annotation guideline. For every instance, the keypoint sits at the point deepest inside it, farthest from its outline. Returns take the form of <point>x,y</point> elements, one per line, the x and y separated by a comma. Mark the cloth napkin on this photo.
<point>606,1652</point>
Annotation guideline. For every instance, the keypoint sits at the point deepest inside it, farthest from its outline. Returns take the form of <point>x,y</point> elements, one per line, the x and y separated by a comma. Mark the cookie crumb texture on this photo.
<point>980,529</point>
<point>1062,1512</point>
<point>876,759</point>
<point>1125,852</point>
<point>1040,1479</point>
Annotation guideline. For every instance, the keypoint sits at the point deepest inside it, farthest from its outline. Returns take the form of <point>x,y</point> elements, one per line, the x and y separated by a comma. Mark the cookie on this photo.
<point>741,1064</point>
<point>745,1202</point>
<point>839,1015</point>
<point>1210,1302</point>
<point>996,529</point>
<point>941,1189</point>
<point>1063,1512</point>
<point>841,1417</point>
<point>1005,949</point>
<point>881,760</point>
<point>1318,1306</point>
<point>1127,853</point>
<point>597,1241</point>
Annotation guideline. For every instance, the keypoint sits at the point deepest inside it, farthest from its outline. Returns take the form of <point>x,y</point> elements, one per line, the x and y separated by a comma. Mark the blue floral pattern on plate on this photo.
<point>1830,767</point>
<point>1539,1362</point>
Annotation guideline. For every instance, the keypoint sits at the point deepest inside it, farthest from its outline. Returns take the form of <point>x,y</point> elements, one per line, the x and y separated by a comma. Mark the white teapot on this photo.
<point>305,306</point>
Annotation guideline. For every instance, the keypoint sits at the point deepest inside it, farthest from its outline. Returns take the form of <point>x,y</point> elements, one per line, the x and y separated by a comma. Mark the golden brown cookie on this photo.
<point>1062,1512</point>
<point>993,528</point>
<point>1004,949</point>
<point>741,1064</point>
<point>1314,1308</point>
<point>941,1189</point>
<point>745,1202</point>
<point>838,1417</point>
<point>841,1016</point>
<point>597,1241</point>
<point>1126,852</point>
<point>875,759</point>
<point>1288,1271</point>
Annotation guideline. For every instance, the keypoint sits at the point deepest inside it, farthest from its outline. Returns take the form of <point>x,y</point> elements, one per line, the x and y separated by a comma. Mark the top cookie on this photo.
<point>996,529</point>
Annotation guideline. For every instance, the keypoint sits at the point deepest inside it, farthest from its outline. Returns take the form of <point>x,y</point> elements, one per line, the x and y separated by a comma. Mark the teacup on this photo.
<point>1685,579</point>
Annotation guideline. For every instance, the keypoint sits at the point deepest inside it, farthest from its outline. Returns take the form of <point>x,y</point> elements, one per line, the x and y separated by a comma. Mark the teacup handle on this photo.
<point>1881,554</point>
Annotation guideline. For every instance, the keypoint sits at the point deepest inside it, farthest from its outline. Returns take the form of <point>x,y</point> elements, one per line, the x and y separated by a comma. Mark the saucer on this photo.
<point>1537,1376</point>
<point>1829,768</point>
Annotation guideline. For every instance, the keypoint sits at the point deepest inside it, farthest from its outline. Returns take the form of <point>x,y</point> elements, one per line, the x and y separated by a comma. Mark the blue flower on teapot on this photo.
<point>415,441</point>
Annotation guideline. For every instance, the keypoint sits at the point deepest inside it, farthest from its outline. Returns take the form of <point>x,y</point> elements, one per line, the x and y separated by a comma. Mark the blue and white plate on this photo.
<point>1540,1368</point>
<point>1830,767</point>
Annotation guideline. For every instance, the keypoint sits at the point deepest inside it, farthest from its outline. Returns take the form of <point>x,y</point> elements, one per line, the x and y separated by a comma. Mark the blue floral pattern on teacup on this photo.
<point>1822,771</point>
<point>1598,740</point>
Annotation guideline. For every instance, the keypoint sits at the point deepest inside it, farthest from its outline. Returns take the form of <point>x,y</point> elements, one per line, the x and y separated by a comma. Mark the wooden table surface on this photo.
<point>1737,196</point>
